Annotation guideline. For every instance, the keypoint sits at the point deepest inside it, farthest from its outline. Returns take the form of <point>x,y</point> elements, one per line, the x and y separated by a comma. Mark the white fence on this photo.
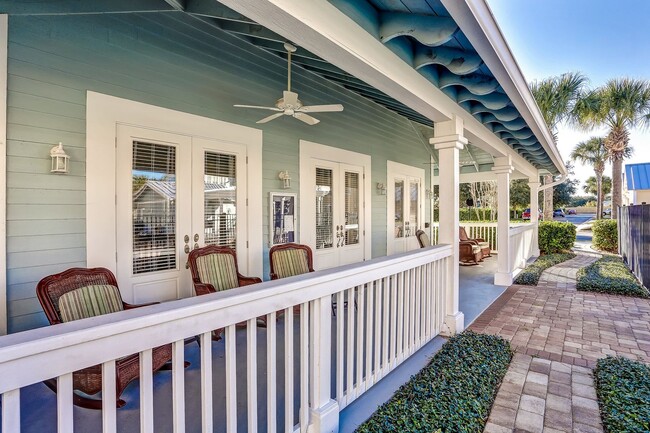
<point>521,245</point>
<point>385,309</point>
<point>487,231</point>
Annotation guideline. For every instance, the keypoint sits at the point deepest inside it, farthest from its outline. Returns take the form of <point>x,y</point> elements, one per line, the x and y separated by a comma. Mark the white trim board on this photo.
<point>4,34</point>
<point>103,113</point>
<point>309,151</point>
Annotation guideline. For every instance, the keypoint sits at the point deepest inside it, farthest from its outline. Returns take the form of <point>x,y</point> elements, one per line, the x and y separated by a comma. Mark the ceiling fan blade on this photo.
<point>290,98</point>
<point>258,107</point>
<point>269,118</point>
<point>320,108</point>
<point>306,118</point>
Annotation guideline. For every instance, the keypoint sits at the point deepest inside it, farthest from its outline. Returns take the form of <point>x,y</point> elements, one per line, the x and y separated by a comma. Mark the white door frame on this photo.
<point>394,169</point>
<point>103,113</point>
<point>4,27</point>
<point>309,151</point>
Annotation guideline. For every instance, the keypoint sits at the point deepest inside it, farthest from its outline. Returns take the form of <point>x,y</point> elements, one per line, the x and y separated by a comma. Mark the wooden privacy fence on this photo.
<point>352,326</point>
<point>634,239</point>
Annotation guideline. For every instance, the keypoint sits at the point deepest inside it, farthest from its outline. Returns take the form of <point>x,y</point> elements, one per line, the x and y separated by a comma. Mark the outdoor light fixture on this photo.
<point>60,159</point>
<point>285,178</point>
<point>381,189</point>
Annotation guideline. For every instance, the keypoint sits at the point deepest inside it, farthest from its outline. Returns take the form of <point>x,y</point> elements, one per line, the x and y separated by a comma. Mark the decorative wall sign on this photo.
<point>282,212</point>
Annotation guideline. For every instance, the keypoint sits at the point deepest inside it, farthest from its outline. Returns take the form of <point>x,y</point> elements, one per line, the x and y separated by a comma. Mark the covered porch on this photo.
<point>409,102</point>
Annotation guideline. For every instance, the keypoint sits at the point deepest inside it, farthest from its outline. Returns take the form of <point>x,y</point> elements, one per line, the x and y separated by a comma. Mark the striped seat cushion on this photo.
<point>424,239</point>
<point>90,301</point>
<point>287,263</point>
<point>218,270</point>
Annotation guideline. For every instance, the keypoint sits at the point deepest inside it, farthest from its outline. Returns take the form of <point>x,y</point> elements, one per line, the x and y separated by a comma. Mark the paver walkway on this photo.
<point>558,334</point>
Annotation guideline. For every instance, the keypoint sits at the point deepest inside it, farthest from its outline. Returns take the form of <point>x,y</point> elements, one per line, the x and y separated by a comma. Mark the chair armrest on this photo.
<point>203,289</point>
<point>466,243</point>
<point>247,281</point>
<point>479,239</point>
<point>274,276</point>
<point>132,306</point>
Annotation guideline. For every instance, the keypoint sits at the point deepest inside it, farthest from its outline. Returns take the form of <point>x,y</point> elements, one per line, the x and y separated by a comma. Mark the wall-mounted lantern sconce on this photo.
<point>381,189</point>
<point>60,159</point>
<point>285,178</point>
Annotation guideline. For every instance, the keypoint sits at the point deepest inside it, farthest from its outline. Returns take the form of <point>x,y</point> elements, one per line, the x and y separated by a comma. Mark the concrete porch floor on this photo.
<point>38,404</point>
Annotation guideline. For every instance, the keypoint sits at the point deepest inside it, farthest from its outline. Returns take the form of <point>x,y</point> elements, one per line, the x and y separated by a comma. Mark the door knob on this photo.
<point>186,239</point>
<point>187,249</point>
<point>196,237</point>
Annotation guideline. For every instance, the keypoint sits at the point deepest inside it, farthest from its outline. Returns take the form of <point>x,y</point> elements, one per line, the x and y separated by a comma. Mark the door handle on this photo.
<point>196,237</point>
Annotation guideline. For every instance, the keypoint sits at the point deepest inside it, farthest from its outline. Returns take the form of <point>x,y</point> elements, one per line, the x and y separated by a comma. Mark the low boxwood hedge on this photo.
<point>605,235</point>
<point>556,237</point>
<point>623,390</point>
<point>454,393</point>
<point>610,275</point>
<point>531,273</point>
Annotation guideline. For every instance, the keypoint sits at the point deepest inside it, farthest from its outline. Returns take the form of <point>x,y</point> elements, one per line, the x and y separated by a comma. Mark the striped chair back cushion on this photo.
<point>90,301</point>
<point>218,270</point>
<point>287,263</point>
<point>424,240</point>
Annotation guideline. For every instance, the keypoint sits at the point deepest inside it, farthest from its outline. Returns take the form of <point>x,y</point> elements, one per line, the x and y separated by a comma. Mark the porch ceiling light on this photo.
<point>285,178</point>
<point>60,159</point>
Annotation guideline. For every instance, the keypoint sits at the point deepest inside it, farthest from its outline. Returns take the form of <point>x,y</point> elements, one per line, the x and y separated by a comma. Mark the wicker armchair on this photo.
<point>61,296</point>
<point>469,252</point>
<point>423,238</point>
<point>486,250</point>
<point>214,269</point>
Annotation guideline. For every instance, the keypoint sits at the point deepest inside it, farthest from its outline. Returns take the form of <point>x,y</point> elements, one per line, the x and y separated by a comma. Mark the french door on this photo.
<point>405,210</point>
<point>338,213</point>
<point>174,193</point>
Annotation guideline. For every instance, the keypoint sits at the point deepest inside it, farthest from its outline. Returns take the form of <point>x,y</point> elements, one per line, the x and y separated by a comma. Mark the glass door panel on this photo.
<point>414,207</point>
<point>324,208</point>
<point>352,206</point>
<point>399,208</point>
<point>220,199</point>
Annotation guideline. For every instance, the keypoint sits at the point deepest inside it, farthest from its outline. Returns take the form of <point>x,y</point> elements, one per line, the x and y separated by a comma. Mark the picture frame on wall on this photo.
<point>282,215</point>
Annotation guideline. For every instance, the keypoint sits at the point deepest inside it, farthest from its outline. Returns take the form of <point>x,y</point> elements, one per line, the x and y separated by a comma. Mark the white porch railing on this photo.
<point>521,245</point>
<point>487,231</point>
<point>386,309</point>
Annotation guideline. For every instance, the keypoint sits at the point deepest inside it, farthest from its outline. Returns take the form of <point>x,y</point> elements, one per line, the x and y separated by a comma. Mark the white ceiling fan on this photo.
<point>290,105</point>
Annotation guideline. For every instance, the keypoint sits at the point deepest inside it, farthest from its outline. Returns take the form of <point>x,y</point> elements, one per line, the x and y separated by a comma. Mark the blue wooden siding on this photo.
<point>168,60</point>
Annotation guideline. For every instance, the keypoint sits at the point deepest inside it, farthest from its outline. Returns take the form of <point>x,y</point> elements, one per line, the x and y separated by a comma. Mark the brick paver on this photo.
<point>558,334</point>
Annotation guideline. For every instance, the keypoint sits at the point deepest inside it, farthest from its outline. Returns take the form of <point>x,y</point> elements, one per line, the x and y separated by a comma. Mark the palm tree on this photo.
<point>591,186</point>
<point>593,152</point>
<point>620,105</point>
<point>556,98</point>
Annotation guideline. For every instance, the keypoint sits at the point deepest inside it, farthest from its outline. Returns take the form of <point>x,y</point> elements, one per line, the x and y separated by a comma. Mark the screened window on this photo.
<point>351,208</point>
<point>220,199</point>
<point>324,210</point>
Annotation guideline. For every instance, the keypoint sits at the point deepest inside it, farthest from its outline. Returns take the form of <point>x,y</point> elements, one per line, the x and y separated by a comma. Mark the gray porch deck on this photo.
<point>39,404</point>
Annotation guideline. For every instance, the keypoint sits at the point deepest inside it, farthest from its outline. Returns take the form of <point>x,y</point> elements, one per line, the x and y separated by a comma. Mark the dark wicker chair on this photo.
<point>215,269</point>
<point>486,250</point>
<point>423,238</point>
<point>469,252</point>
<point>287,260</point>
<point>89,380</point>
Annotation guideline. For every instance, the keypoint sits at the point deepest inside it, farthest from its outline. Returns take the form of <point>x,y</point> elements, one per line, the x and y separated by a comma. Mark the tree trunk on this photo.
<point>548,199</point>
<point>599,195</point>
<point>617,169</point>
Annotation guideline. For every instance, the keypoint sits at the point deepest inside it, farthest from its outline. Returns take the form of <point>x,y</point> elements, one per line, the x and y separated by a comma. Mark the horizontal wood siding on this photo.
<point>165,59</point>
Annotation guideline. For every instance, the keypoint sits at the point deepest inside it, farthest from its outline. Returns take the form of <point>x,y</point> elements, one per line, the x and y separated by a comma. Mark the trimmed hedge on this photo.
<point>605,235</point>
<point>531,273</point>
<point>556,237</point>
<point>623,390</point>
<point>454,393</point>
<point>610,275</point>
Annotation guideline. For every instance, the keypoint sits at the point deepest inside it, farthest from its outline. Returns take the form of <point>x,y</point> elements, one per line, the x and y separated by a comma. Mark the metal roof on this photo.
<point>637,176</point>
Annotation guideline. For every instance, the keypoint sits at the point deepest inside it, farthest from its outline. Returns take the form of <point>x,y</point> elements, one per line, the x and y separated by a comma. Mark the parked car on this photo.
<point>607,212</point>
<point>526,214</point>
<point>572,212</point>
<point>558,213</point>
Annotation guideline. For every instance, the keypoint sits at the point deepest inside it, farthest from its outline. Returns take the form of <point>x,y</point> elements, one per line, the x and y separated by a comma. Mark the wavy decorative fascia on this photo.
<point>426,29</point>
<point>493,101</point>
<point>513,125</point>
<point>457,61</point>
<point>505,114</point>
<point>477,84</point>
<point>430,73</point>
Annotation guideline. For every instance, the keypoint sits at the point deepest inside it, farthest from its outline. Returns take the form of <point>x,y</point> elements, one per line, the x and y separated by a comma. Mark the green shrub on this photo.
<point>623,389</point>
<point>610,275</point>
<point>605,234</point>
<point>556,237</point>
<point>454,393</point>
<point>531,273</point>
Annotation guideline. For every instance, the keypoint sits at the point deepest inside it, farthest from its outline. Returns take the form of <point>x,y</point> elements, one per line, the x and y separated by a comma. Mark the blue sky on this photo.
<point>601,39</point>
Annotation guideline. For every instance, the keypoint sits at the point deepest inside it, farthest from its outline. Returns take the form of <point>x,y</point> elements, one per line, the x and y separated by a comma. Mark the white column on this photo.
<point>534,184</point>
<point>503,168</point>
<point>324,411</point>
<point>448,139</point>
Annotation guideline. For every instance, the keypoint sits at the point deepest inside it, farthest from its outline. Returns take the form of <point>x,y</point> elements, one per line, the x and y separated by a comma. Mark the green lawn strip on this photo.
<point>531,273</point>
<point>623,389</point>
<point>610,275</point>
<point>453,393</point>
